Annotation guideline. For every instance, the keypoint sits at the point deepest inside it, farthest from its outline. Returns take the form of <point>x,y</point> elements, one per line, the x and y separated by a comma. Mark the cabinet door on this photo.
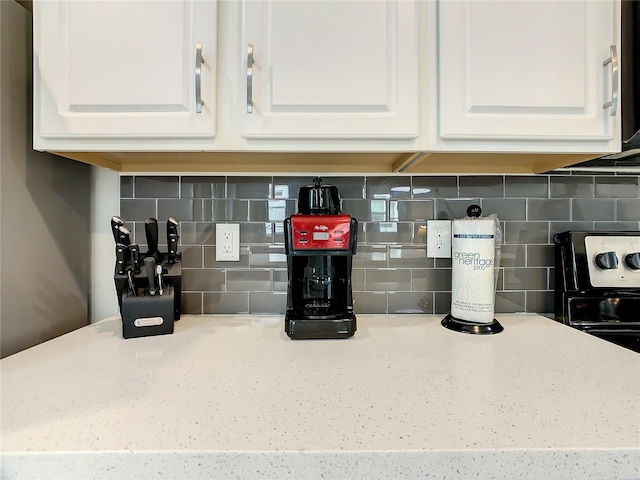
<point>525,70</point>
<point>331,69</point>
<point>124,68</point>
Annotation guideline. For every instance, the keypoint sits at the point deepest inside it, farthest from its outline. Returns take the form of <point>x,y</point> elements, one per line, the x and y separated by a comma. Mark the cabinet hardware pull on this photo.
<point>613,60</point>
<point>250,78</point>
<point>199,62</point>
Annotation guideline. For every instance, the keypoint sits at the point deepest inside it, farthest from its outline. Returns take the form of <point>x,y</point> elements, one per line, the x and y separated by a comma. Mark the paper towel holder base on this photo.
<point>463,326</point>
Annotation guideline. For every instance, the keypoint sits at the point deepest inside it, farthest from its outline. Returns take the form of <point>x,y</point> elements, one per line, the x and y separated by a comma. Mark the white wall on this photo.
<point>105,202</point>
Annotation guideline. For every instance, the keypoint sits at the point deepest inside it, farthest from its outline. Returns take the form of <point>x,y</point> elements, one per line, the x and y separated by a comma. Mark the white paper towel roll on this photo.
<point>473,270</point>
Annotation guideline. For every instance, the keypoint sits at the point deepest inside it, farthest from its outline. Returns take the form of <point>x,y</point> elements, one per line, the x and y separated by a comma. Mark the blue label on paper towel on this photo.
<point>472,235</point>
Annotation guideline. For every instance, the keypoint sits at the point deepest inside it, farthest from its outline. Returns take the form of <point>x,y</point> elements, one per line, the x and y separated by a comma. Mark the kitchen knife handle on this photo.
<point>115,223</point>
<point>124,235</point>
<point>150,268</point>
<point>121,258</point>
<point>151,232</point>
<point>172,226</point>
<point>159,273</point>
<point>172,246</point>
<point>613,60</point>
<point>250,62</point>
<point>134,256</point>
<point>199,62</point>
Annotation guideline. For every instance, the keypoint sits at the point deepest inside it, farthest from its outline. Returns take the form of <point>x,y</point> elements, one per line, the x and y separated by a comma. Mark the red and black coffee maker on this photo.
<point>320,243</point>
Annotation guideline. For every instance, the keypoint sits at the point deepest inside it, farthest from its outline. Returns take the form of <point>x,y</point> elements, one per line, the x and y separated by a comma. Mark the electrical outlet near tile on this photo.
<point>439,238</point>
<point>227,242</point>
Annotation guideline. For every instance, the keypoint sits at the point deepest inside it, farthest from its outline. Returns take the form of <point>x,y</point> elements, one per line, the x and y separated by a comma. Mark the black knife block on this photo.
<point>172,275</point>
<point>144,315</point>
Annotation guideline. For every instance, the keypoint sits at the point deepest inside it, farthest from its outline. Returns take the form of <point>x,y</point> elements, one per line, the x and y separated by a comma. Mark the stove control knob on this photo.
<point>633,261</point>
<point>607,260</point>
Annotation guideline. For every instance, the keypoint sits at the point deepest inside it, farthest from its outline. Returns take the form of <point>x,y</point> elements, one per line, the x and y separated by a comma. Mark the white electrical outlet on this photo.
<point>227,242</point>
<point>439,238</point>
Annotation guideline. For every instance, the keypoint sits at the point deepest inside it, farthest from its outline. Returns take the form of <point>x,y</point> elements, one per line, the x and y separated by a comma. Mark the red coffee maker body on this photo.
<point>320,243</point>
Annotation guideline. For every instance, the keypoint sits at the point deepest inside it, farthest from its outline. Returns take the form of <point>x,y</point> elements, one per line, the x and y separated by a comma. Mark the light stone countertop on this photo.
<point>233,397</point>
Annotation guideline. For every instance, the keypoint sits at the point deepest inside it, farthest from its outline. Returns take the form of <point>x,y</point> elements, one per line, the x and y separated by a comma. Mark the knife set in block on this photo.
<point>148,285</point>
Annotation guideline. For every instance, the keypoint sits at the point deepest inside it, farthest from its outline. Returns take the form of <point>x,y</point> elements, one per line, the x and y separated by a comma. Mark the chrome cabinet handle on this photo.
<point>199,62</point>
<point>250,78</point>
<point>613,60</point>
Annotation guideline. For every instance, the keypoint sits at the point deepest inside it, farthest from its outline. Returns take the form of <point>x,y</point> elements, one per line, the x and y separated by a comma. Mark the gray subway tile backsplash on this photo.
<point>616,187</point>
<point>506,208</point>
<point>563,186</point>
<point>391,272</point>
<point>267,256</point>
<point>252,280</point>
<point>267,303</point>
<point>539,255</point>
<point>156,187</point>
<point>271,210</point>
<point>604,226</point>
<point>507,302</point>
<point>388,187</point>
<point>203,280</point>
<point>441,302</point>
<point>449,209</point>
<point>431,279</point>
<point>191,302</point>
<point>366,210</point>
<point>410,210</point>
<point>225,302</point>
<point>256,233</point>
<point>388,232</point>
<point>533,278</point>
<point>410,302</point>
<point>186,209</point>
<point>373,302</point>
<point>598,209</point>
<point>249,187</point>
<point>628,210</point>
<point>126,186</point>
<point>408,257</point>
<point>526,186</point>
<point>434,187</point>
<point>138,209</point>
<point>375,256</point>
<point>192,256</point>
<point>280,280</point>
<point>210,261</point>
<point>481,186</point>
<point>548,209</point>
<point>231,210</point>
<point>193,233</point>
<point>539,301</point>
<point>202,187</point>
<point>388,279</point>
<point>513,255</point>
<point>526,232</point>
<point>349,187</point>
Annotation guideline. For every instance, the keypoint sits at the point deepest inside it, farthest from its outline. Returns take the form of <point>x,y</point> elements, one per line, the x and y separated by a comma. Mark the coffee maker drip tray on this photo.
<point>322,328</point>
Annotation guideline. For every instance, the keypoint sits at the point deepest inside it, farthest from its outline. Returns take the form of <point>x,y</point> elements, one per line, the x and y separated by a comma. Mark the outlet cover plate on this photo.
<point>439,238</point>
<point>227,242</point>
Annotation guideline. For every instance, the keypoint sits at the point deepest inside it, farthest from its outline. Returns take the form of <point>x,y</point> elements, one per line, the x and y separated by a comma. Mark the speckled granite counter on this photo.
<point>233,397</point>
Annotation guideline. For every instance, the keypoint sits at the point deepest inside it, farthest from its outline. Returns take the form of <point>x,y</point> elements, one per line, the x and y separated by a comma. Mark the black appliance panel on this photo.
<point>612,311</point>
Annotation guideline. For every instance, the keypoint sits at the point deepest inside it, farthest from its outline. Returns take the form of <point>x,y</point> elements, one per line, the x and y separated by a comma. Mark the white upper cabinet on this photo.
<point>527,70</point>
<point>330,69</point>
<point>124,69</point>
<point>386,76</point>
